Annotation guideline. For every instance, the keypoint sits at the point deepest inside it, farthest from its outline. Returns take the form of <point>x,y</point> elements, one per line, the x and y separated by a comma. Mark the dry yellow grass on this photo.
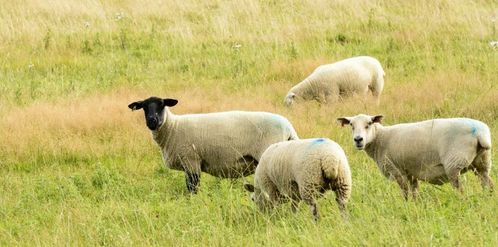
<point>77,125</point>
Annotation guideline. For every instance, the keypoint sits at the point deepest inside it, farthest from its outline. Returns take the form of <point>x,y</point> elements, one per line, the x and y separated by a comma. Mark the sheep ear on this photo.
<point>344,120</point>
<point>377,119</point>
<point>249,187</point>
<point>170,102</point>
<point>136,105</point>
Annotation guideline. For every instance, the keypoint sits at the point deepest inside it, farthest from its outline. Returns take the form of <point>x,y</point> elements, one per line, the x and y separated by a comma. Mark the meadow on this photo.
<point>78,168</point>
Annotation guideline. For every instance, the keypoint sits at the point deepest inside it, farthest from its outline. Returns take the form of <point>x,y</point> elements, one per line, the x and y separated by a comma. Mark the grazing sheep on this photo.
<point>435,150</point>
<point>224,144</point>
<point>301,170</point>
<point>340,79</point>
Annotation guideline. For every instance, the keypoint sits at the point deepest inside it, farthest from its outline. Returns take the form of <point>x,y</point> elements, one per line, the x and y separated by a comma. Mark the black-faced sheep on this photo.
<point>224,144</point>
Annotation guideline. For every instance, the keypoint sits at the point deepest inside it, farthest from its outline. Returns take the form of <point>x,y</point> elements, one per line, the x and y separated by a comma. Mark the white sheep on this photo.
<point>224,144</point>
<point>434,151</point>
<point>301,170</point>
<point>328,83</point>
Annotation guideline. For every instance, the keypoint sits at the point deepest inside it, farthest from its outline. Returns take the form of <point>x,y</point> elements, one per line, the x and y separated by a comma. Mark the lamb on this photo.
<point>435,151</point>
<point>223,144</point>
<point>301,170</point>
<point>330,82</point>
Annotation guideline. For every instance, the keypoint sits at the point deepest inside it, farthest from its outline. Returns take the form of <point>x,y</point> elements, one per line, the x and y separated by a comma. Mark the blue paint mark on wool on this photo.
<point>278,118</point>
<point>474,131</point>
<point>319,140</point>
<point>315,143</point>
<point>474,126</point>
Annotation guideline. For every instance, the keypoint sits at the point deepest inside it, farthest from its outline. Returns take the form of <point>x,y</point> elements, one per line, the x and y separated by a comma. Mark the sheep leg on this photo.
<point>403,185</point>
<point>192,179</point>
<point>342,207</point>
<point>377,86</point>
<point>413,186</point>
<point>490,183</point>
<point>308,196</point>
<point>294,206</point>
<point>294,197</point>
<point>314,210</point>
<point>341,191</point>
<point>486,181</point>
<point>482,165</point>
<point>390,170</point>
<point>192,167</point>
<point>454,177</point>
<point>376,94</point>
<point>274,194</point>
<point>453,165</point>
<point>377,100</point>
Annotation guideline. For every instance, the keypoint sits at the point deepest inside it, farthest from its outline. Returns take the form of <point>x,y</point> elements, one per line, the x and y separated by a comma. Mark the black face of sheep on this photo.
<point>153,109</point>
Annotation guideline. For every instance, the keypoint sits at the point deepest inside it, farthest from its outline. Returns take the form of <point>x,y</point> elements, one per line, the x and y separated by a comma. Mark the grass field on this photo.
<point>77,167</point>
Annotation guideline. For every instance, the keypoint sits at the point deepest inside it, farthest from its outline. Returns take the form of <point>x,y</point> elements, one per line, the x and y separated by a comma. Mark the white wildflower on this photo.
<point>119,15</point>
<point>236,46</point>
<point>494,44</point>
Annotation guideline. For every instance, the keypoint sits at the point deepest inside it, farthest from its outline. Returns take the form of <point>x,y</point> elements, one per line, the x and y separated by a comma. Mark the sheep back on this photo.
<point>425,149</point>
<point>225,144</point>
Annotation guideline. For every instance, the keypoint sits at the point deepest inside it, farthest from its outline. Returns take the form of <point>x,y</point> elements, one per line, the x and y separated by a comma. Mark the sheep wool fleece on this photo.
<point>329,82</point>
<point>301,169</point>
<point>224,144</point>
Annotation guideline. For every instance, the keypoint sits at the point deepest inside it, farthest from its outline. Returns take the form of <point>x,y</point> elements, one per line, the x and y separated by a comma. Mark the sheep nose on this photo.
<point>153,120</point>
<point>358,139</point>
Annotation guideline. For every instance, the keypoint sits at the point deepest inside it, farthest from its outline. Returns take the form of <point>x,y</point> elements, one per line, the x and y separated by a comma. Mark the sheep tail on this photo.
<point>378,82</point>
<point>336,171</point>
<point>484,139</point>
<point>330,165</point>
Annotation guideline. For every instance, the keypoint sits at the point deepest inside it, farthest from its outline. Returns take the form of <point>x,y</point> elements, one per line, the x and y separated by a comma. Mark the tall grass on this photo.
<point>78,168</point>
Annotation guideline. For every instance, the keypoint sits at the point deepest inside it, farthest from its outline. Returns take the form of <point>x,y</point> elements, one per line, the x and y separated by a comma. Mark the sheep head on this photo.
<point>262,200</point>
<point>363,128</point>
<point>153,109</point>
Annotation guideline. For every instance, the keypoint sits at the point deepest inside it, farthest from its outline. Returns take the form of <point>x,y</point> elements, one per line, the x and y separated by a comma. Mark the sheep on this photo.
<point>435,151</point>
<point>328,83</point>
<point>301,170</point>
<point>223,144</point>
